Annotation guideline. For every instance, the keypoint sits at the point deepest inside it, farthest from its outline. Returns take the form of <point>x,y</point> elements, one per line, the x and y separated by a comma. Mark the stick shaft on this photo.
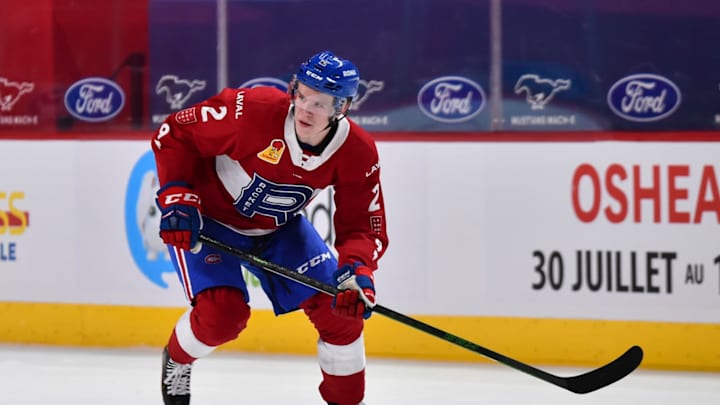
<point>581,384</point>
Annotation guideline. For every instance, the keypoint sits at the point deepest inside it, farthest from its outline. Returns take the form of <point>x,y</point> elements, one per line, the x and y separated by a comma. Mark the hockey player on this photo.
<point>239,167</point>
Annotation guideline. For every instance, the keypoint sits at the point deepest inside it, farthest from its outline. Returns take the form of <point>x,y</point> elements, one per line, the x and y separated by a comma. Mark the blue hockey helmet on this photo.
<point>332,75</point>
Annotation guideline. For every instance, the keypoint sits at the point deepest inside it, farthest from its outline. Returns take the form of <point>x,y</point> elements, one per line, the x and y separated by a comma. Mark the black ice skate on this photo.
<point>175,381</point>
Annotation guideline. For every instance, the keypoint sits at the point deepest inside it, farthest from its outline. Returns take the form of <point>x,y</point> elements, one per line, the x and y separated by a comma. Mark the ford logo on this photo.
<point>94,99</point>
<point>643,97</point>
<point>451,99</point>
<point>265,81</point>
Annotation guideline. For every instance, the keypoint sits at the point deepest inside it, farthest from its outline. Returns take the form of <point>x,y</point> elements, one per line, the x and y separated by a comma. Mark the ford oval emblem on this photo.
<point>265,81</point>
<point>644,97</point>
<point>94,99</point>
<point>451,99</point>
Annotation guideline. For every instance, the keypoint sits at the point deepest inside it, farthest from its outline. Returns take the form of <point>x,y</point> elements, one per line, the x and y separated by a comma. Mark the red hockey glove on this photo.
<point>357,296</point>
<point>181,222</point>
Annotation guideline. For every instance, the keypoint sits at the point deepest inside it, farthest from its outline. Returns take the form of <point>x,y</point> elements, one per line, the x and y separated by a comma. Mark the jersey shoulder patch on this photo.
<point>186,116</point>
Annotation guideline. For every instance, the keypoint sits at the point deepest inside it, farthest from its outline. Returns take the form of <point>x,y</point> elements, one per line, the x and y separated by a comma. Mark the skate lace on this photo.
<point>177,378</point>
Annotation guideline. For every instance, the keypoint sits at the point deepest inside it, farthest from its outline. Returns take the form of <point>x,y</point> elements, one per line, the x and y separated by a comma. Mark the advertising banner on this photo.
<point>26,74</point>
<point>457,65</point>
<point>623,231</point>
<point>182,55</point>
<point>596,70</point>
<point>412,78</point>
<point>561,230</point>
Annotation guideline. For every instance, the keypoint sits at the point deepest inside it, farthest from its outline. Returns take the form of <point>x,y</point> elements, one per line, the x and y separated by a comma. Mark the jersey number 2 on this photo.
<point>374,204</point>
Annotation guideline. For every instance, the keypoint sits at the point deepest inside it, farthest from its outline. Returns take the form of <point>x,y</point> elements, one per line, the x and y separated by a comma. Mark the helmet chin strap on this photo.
<point>333,121</point>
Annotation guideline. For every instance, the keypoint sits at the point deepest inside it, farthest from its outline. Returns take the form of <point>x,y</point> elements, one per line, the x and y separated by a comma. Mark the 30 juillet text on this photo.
<point>631,272</point>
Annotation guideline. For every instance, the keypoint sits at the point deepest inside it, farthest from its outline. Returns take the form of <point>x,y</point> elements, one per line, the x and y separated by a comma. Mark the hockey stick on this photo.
<point>580,384</point>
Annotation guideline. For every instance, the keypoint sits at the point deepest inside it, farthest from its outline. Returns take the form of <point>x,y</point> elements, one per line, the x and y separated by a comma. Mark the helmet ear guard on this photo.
<point>342,105</point>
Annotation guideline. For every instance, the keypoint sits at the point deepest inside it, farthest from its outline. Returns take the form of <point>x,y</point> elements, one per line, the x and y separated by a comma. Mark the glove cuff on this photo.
<point>177,193</point>
<point>363,270</point>
<point>354,276</point>
<point>174,184</point>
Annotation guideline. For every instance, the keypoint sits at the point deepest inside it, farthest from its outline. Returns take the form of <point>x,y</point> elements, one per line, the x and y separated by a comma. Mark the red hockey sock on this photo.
<point>218,316</point>
<point>177,353</point>
<point>343,390</point>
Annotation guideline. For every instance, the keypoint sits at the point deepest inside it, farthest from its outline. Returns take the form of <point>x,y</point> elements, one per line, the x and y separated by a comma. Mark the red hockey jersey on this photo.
<point>239,152</point>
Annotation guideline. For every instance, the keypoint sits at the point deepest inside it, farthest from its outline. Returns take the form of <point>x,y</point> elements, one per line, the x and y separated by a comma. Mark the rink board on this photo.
<point>667,346</point>
<point>551,252</point>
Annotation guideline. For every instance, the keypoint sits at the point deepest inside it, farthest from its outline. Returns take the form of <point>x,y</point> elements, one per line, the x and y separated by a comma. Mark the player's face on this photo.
<point>313,111</point>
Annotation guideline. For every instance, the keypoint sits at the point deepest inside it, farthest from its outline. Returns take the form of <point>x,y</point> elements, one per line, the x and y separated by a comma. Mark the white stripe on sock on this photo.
<point>342,360</point>
<point>187,340</point>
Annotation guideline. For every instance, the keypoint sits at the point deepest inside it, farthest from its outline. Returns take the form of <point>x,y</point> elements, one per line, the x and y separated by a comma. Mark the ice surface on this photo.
<point>78,376</point>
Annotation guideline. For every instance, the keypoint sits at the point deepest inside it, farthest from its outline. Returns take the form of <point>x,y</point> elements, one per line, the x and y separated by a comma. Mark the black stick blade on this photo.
<point>607,374</point>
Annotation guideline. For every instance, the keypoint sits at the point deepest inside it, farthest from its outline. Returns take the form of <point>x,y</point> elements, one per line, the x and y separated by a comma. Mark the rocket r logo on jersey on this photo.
<point>278,201</point>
